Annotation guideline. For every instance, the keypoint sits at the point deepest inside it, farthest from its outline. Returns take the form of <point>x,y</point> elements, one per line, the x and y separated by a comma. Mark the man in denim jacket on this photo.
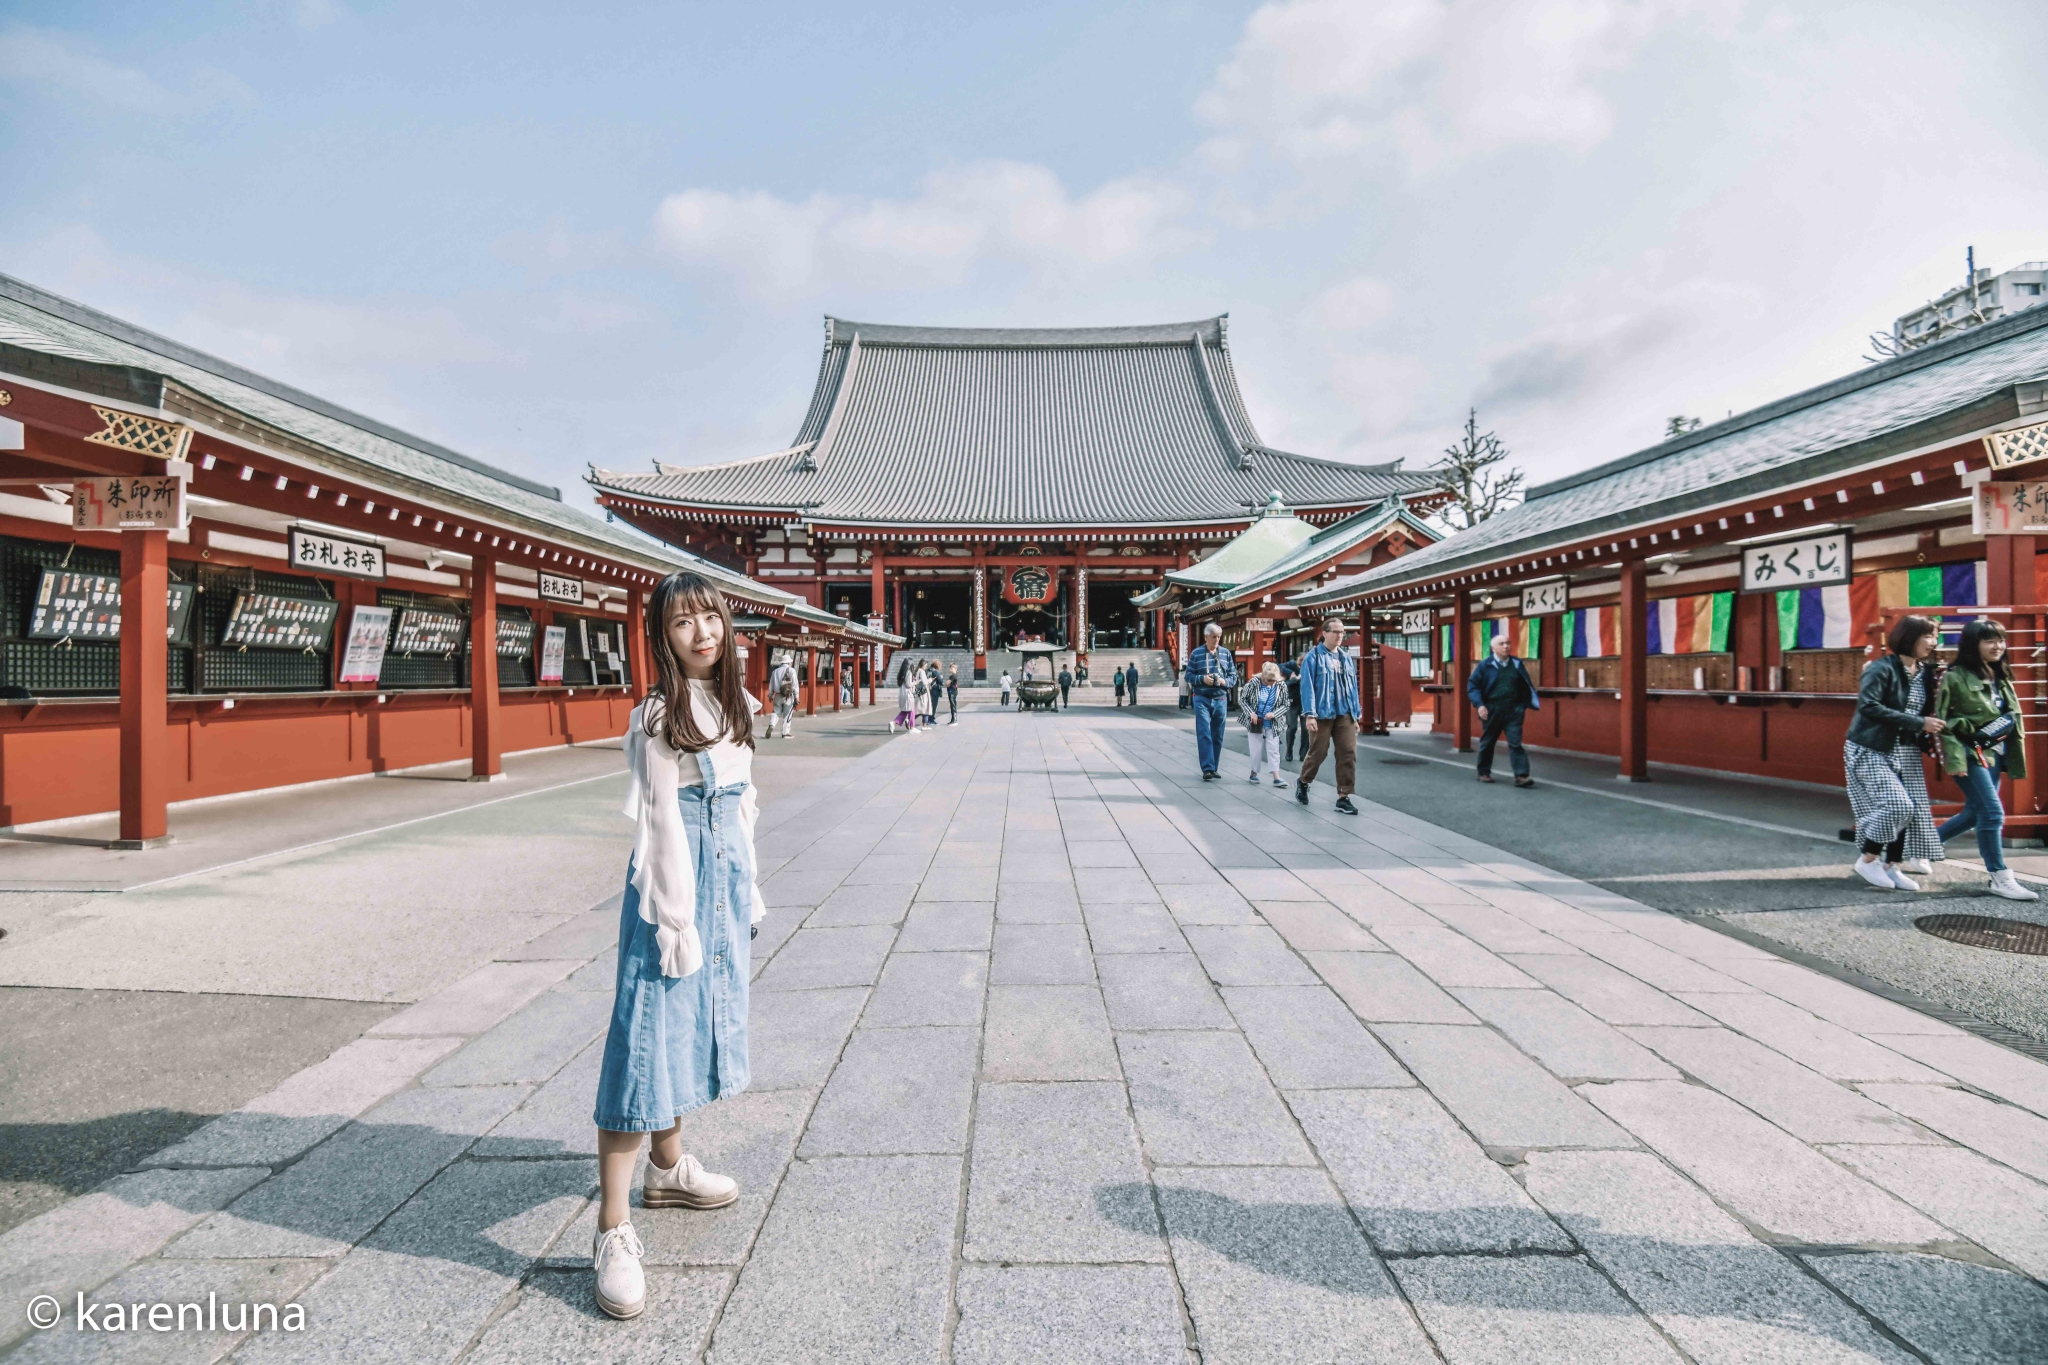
<point>1330,712</point>
<point>1212,678</point>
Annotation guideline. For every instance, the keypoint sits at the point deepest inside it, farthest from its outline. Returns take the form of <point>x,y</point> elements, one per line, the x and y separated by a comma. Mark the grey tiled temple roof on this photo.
<point>42,324</point>
<point>39,331</point>
<point>1326,544</point>
<point>940,426</point>
<point>1938,393</point>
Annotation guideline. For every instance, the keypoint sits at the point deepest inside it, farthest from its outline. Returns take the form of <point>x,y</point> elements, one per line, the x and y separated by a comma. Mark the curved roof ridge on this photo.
<point>1211,330</point>
<point>156,344</point>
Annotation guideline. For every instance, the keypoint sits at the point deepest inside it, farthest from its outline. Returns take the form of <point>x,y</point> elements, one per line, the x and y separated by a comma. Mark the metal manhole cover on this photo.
<point>1983,931</point>
<point>1404,762</point>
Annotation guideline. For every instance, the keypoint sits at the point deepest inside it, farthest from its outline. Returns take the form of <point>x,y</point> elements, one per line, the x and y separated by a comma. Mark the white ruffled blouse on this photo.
<point>664,873</point>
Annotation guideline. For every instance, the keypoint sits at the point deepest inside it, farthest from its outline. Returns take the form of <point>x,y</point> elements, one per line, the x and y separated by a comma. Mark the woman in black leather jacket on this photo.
<point>1881,757</point>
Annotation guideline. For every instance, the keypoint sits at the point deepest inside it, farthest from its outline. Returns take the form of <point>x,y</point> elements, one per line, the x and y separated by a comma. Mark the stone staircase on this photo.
<point>1154,668</point>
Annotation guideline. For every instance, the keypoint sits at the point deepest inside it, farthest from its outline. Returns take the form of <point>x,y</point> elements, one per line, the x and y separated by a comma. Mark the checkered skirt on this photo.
<point>1888,792</point>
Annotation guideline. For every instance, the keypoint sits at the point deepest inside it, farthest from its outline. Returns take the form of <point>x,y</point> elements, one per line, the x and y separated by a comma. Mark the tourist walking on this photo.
<point>1007,687</point>
<point>953,695</point>
<point>1211,676</point>
<point>1291,671</point>
<point>1330,712</point>
<point>1262,706</point>
<point>1985,740</point>
<point>1066,682</point>
<point>1500,689</point>
<point>782,691</point>
<point>906,698</point>
<point>1117,682</point>
<point>678,1034</point>
<point>1186,691</point>
<point>1881,757</point>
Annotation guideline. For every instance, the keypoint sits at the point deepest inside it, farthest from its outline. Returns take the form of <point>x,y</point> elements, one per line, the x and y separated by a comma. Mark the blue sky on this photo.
<point>549,238</point>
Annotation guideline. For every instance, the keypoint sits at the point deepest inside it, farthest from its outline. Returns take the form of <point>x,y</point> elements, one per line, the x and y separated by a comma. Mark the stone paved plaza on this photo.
<point>1062,1055</point>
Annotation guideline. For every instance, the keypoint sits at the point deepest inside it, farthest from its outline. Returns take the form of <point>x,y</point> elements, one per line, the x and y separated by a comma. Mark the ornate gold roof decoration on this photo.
<point>143,435</point>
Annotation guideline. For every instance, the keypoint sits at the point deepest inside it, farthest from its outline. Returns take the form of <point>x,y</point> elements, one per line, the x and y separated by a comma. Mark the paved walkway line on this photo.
<point>366,833</point>
<point>1061,1053</point>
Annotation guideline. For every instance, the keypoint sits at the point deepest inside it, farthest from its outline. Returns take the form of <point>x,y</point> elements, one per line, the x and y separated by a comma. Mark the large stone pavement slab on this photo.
<point>1060,1054</point>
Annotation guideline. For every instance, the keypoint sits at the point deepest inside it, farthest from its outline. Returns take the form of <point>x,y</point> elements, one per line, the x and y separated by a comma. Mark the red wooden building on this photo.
<point>978,487</point>
<point>286,591</point>
<point>1625,582</point>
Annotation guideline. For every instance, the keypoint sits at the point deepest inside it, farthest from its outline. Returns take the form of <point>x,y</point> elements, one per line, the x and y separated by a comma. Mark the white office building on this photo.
<point>1985,298</point>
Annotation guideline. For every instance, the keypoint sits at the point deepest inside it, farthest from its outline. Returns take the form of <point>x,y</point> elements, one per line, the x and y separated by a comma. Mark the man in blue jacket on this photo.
<point>1330,711</point>
<point>1212,678</point>
<point>1501,690</point>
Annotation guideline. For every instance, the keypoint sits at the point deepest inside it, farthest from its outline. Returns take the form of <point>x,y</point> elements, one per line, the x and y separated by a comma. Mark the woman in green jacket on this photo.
<point>1983,740</point>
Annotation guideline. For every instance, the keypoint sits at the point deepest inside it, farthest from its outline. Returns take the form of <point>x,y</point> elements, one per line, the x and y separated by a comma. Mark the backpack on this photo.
<point>786,689</point>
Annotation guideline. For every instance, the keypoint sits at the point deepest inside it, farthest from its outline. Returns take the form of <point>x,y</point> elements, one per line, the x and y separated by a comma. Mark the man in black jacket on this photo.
<point>1290,673</point>
<point>1501,690</point>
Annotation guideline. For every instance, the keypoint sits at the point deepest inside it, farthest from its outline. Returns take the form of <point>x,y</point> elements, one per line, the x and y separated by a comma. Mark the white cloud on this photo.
<point>34,56</point>
<point>1615,330</point>
<point>1351,305</point>
<point>1377,389</point>
<point>960,218</point>
<point>1428,81</point>
<point>313,14</point>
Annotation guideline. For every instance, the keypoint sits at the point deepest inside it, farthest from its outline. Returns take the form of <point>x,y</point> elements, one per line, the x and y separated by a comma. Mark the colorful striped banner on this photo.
<point>1936,585</point>
<point>1829,618</point>
<point>1590,632</point>
<point>1690,625</point>
<point>1525,636</point>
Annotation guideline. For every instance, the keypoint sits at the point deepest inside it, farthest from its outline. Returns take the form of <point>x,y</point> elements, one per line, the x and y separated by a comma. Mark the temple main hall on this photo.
<point>977,488</point>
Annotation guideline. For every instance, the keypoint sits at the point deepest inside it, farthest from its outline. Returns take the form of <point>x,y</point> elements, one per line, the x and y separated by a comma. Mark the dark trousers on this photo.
<point>1503,720</point>
<point>1343,732</point>
<point>1293,732</point>
<point>1063,696</point>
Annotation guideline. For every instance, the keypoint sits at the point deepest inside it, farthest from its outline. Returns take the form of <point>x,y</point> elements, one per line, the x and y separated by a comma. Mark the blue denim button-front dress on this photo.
<point>677,1043</point>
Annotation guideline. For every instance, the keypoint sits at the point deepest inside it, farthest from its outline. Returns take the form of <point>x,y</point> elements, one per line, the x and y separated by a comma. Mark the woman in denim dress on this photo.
<point>678,1036</point>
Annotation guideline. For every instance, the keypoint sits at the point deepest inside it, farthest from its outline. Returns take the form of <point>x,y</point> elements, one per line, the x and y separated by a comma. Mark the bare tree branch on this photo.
<point>1466,469</point>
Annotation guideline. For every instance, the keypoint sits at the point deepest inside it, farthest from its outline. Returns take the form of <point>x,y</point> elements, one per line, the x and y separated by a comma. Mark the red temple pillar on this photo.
<point>1635,701</point>
<point>810,680</point>
<point>978,603</point>
<point>145,700</point>
<point>637,648</point>
<point>1461,669</point>
<point>878,584</point>
<point>2009,581</point>
<point>485,735</point>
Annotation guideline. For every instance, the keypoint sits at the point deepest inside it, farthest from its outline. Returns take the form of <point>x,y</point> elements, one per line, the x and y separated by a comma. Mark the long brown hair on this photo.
<point>674,719</point>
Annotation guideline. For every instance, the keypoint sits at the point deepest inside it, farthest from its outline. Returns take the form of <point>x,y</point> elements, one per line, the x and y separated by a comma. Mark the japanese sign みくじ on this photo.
<point>2010,509</point>
<point>1814,561</point>
<point>1418,622</point>
<point>317,553</point>
<point>1546,599</point>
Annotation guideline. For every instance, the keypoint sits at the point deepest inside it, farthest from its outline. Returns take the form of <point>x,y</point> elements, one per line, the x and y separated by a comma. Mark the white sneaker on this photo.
<point>1872,871</point>
<point>1900,879</point>
<point>621,1285</point>
<point>687,1186</point>
<point>2003,883</point>
<point>1919,867</point>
